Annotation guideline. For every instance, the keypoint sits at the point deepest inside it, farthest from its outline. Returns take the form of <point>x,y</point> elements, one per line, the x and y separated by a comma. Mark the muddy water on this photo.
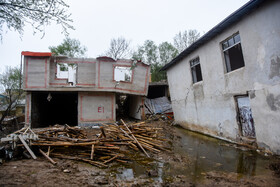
<point>203,154</point>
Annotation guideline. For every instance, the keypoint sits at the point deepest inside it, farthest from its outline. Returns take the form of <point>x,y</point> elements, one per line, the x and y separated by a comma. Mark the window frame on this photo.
<point>61,74</point>
<point>193,63</point>
<point>124,66</point>
<point>227,63</point>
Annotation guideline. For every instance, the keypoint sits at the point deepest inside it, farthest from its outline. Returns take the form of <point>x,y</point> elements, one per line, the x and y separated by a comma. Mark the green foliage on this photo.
<point>15,14</point>
<point>167,52</point>
<point>10,79</point>
<point>156,56</point>
<point>69,47</point>
<point>10,82</point>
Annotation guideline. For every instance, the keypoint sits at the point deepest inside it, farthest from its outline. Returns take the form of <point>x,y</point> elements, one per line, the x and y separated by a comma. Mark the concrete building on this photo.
<point>81,91</point>
<point>227,83</point>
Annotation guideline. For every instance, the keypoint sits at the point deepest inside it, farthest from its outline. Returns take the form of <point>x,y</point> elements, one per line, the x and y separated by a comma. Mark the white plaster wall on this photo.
<point>209,106</point>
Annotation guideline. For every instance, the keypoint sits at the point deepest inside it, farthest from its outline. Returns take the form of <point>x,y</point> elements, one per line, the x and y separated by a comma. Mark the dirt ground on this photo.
<point>40,172</point>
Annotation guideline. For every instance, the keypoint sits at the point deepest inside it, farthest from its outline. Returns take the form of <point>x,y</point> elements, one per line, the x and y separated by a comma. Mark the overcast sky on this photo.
<point>97,22</point>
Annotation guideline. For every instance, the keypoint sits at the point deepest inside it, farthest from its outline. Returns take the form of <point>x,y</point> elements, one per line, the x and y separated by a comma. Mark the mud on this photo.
<point>193,160</point>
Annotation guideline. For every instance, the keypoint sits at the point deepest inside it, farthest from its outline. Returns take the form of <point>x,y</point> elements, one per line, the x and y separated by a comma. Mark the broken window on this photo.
<point>233,53</point>
<point>67,71</point>
<point>196,70</point>
<point>62,71</point>
<point>122,73</point>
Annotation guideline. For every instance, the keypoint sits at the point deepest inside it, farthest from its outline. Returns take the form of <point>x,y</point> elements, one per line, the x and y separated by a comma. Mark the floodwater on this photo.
<point>204,154</point>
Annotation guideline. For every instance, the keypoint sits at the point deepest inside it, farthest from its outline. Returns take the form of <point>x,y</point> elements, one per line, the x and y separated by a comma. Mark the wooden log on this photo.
<point>151,143</point>
<point>110,159</point>
<point>95,163</point>
<point>92,151</point>
<point>103,132</point>
<point>135,139</point>
<point>124,131</point>
<point>49,149</point>
<point>150,147</point>
<point>148,139</point>
<point>47,157</point>
<point>122,161</point>
<point>64,144</point>
<point>27,147</point>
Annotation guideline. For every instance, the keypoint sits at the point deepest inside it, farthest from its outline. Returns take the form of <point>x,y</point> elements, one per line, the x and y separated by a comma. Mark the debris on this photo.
<point>27,147</point>
<point>110,143</point>
<point>135,138</point>
<point>47,157</point>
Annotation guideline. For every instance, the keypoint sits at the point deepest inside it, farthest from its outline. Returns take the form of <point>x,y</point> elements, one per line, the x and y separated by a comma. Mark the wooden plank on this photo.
<point>64,144</point>
<point>110,159</point>
<point>27,147</point>
<point>47,157</point>
<point>92,152</point>
<point>135,139</point>
<point>49,150</point>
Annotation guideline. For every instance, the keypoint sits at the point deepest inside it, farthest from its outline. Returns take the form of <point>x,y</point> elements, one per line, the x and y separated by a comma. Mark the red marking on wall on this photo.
<point>75,62</point>
<point>64,84</point>
<point>46,67</point>
<point>98,74</point>
<point>80,84</point>
<point>27,108</point>
<point>100,109</point>
<point>26,74</point>
<point>82,119</point>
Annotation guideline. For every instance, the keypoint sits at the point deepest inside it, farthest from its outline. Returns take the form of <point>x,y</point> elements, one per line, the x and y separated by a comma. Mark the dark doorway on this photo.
<point>157,89</point>
<point>50,108</point>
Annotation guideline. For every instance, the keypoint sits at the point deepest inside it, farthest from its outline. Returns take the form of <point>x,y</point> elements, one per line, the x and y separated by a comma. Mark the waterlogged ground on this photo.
<point>193,160</point>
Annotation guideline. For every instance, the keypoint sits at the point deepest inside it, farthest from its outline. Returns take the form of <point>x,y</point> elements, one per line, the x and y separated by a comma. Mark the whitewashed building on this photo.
<point>227,83</point>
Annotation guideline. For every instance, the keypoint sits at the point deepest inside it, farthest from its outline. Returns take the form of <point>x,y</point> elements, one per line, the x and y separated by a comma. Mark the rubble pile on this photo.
<point>111,142</point>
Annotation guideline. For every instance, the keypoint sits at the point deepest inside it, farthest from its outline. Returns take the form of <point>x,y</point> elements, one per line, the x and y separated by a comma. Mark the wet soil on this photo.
<point>193,160</point>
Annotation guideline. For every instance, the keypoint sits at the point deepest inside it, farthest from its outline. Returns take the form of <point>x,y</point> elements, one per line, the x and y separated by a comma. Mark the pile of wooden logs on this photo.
<point>112,142</point>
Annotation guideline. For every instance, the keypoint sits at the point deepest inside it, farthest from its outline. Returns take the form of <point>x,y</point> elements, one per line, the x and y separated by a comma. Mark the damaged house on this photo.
<point>227,83</point>
<point>61,90</point>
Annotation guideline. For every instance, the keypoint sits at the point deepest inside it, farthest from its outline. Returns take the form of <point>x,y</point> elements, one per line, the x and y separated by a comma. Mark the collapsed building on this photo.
<point>81,91</point>
<point>226,84</point>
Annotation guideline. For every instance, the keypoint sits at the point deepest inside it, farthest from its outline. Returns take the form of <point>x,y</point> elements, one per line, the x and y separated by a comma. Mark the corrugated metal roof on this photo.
<point>230,20</point>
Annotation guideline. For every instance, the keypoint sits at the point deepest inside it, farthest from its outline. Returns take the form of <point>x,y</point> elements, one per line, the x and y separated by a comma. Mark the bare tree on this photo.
<point>15,14</point>
<point>184,39</point>
<point>119,48</point>
<point>193,36</point>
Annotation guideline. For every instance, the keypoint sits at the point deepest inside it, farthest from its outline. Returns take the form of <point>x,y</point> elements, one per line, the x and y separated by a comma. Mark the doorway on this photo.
<point>50,108</point>
<point>246,121</point>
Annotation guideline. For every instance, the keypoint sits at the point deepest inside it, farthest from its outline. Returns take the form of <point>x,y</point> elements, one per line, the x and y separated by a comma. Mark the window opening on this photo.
<point>122,74</point>
<point>67,71</point>
<point>196,70</point>
<point>62,71</point>
<point>233,53</point>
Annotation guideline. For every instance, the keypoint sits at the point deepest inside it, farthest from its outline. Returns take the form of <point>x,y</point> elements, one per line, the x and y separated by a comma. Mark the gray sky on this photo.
<point>97,22</point>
